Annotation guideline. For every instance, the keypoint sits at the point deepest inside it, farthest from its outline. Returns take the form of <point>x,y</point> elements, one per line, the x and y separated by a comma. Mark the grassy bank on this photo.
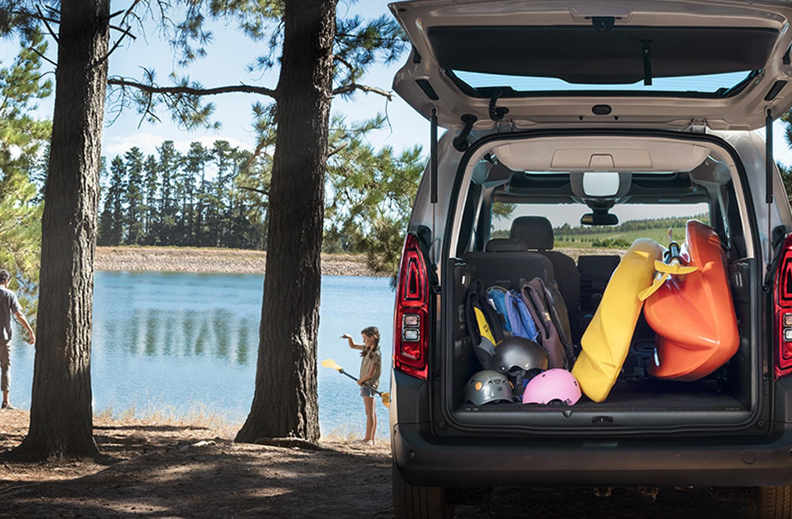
<point>208,260</point>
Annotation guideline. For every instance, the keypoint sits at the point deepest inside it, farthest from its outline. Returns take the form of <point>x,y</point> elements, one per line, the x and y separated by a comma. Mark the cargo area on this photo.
<point>514,225</point>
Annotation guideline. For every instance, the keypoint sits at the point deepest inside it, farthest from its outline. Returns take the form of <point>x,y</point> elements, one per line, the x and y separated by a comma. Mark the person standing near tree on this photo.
<point>9,305</point>
<point>370,369</point>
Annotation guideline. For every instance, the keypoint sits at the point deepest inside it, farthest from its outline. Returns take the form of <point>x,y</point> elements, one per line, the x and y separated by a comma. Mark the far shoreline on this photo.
<point>236,261</point>
<point>213,261</point>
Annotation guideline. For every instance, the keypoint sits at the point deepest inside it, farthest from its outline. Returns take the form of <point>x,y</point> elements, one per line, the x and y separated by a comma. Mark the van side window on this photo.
<point>467,230</point>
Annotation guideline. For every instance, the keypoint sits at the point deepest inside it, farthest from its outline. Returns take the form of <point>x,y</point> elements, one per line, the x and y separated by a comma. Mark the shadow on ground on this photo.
<point>220,480</point>
<point>175,471</point>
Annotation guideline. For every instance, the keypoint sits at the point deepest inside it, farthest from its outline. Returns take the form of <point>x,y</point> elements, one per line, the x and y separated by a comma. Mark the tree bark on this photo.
<point>61,422</point>
<point>285,400</point>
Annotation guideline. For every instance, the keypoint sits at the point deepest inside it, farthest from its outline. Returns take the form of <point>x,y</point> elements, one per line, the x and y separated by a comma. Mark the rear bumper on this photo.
<point>590,463</point>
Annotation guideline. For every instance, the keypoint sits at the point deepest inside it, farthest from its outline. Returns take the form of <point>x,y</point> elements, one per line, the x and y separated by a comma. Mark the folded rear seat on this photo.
<point>507,261</point>
<point>595,272</point>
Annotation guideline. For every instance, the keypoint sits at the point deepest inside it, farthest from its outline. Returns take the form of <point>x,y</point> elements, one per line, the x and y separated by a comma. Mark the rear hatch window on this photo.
<point>642,63</point>
<point>610,59</point>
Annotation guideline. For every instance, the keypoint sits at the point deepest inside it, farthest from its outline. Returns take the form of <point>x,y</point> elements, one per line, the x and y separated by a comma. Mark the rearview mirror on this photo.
<point>599,219</point>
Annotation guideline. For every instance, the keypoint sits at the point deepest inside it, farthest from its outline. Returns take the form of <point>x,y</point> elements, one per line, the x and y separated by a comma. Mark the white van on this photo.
<point>596,107</point>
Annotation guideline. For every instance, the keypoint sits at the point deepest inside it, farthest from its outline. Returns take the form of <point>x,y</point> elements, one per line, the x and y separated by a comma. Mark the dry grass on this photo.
<point>197,415</point>
<point>211,260</point>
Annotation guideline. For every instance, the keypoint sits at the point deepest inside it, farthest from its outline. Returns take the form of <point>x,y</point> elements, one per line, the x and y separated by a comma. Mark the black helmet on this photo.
<point>518,356</point>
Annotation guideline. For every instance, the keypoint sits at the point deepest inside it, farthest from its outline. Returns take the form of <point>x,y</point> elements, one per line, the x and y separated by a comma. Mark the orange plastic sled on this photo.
<point>693,316</point>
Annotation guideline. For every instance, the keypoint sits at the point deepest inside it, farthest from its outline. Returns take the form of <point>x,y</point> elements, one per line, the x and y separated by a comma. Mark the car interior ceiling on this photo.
<point>582,282</point>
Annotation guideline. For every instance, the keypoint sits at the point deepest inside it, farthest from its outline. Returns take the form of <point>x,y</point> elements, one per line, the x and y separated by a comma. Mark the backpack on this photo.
<point>496,297</point>
<point>554,333</point>
<point>516,319</point>
<point>483,325</point>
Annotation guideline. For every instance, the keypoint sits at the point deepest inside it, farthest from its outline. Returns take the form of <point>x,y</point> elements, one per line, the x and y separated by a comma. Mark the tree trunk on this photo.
<point>285,401</point>
<point>61,422</point>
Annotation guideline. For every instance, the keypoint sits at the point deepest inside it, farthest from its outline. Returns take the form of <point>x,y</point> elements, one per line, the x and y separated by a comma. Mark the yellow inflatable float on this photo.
<point>606,341</point>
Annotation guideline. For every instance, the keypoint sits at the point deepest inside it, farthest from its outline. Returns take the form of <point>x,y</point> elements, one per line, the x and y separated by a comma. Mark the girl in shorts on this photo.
<point>370,369</point>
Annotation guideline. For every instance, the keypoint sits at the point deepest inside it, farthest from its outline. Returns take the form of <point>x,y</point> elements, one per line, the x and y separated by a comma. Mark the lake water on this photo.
<point>187,343</point>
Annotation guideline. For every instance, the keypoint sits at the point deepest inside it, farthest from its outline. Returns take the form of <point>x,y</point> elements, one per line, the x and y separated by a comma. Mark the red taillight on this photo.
<point>783,311</point>
<point>410,324</point>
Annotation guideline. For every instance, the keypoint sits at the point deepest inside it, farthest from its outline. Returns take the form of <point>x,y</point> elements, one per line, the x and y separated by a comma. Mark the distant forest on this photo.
<point>207,197</point>
<point>217,196</point>
<point>629,226</point>
<point>622,236</point>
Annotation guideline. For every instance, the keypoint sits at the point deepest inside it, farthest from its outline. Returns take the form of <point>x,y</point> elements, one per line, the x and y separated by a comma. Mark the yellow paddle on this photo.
<point>330,363</point>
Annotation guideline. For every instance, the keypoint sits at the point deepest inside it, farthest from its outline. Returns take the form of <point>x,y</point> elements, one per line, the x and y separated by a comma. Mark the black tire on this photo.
<point>770,503</point>
<point>411,502</point>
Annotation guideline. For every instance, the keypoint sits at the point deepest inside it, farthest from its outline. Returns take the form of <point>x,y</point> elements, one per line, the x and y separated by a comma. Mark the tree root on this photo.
<point>290,442</point>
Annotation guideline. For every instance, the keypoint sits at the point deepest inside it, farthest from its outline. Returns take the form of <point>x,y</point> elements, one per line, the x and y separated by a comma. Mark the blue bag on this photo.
<point>514,315</point>
<point>520,320</point>
<point>496,297</point>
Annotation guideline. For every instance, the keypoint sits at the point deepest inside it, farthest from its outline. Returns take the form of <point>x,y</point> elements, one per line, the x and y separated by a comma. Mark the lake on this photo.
<point>185,344</point>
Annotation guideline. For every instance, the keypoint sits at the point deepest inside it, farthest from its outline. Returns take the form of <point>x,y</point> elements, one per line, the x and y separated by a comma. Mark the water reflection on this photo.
<point>220,331</point>
<point>242,342</point>
<point>177,341</point>
<point>175,334</point>
<point>151,333</point>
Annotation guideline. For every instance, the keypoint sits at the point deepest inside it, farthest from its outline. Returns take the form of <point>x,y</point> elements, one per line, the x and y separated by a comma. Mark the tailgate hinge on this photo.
<point>698,126</point>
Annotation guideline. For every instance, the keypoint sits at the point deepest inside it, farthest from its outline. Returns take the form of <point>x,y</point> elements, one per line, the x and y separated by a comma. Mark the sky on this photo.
<point>228,56</point>
<point>225,64</point>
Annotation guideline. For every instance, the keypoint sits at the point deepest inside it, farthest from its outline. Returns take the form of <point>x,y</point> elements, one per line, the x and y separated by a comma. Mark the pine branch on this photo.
<point>348,89</point>
<point>117,43</point>
<point>188,90</point>
<point>337,149</point>
<point>259,148</point>
<point>47,25</point>
<point>42,56</point>
<point>265,193</point>
<point>47,20</point>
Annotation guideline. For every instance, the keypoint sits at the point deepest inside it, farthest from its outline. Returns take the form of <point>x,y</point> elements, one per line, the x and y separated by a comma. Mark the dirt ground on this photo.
<point>179,471</point>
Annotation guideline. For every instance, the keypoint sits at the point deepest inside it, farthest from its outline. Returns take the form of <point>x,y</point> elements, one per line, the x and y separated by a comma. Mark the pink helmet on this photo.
<point>553,384</point>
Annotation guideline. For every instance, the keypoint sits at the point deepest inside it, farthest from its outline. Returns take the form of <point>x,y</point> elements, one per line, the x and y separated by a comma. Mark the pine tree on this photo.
<point>285,401</point>
<point>134,197</point>
<point>106,216</point>
<point>22,138</point>
<point>221,209</point>
<point>152,202</point>
<point>115,200</point>
<point>193,169</point>
<point>61,420</point>
<point>168,168</point>
<point>369,194</point>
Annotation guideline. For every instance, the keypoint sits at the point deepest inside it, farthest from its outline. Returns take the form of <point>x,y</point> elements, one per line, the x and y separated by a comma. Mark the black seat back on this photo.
<point>537,233</point>
<point>508,262</point>
<point>595,272</point>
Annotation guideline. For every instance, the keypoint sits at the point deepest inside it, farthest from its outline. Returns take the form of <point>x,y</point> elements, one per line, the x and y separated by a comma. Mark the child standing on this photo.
<point>370,369</point>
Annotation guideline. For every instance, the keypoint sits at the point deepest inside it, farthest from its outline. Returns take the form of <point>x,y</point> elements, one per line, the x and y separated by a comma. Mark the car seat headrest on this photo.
<point>535,231</point>
<point>506,245</point>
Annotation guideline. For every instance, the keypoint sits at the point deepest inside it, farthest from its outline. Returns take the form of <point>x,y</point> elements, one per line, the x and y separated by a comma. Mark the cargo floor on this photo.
<point>627,402</point>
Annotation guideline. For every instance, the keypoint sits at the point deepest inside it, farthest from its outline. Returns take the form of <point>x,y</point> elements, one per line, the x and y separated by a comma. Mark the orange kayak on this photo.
<point>693,316</point>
